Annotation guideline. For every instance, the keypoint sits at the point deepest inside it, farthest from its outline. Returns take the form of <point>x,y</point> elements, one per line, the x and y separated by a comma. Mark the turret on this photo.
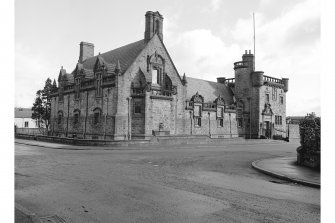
<point>257,78</point>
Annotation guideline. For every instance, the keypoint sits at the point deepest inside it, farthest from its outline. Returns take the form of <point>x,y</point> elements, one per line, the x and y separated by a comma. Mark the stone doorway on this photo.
<point>267,129</point>
<point>138,118</point>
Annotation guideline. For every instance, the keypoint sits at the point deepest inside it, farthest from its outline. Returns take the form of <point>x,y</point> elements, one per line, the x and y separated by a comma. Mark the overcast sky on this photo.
<point>204,39</point>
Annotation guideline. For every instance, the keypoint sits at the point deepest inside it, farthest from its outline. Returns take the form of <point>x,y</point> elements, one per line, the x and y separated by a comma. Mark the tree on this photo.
<point>42,105</point>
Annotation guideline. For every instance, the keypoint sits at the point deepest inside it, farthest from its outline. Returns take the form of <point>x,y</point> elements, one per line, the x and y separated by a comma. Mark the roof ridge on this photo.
<point>102,54</point>
<point>203,80</point>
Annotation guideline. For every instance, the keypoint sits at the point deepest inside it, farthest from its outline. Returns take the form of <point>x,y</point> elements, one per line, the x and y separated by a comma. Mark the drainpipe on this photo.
<point>191,121</point>
<point>68,113</point>
<point>86,114</point>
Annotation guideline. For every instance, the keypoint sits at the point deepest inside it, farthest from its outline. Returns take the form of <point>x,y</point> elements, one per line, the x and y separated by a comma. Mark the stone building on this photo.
<point>135,91</point>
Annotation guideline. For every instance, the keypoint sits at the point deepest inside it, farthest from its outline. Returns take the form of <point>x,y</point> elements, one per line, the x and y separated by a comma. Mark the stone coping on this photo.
<point>261,166</point>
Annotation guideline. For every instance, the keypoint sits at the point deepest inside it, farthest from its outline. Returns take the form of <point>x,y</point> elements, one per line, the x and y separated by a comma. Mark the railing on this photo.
<point>87,83</point>
<point>240,64</point>
<point>138,91</point>
<point>208,106</point>
<point>69,87</point>
<point>231,107</point>
<point>167,93</point>
<point>272,79</point>
<point>108,79</point>
<point>230,80</point>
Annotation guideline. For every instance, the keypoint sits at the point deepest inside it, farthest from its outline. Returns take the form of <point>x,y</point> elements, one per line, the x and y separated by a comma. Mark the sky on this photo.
<point>204,39</point>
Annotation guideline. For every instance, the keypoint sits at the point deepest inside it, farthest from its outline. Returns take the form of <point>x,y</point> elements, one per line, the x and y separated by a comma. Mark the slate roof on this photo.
<point>209,90</point>
<point>22,112</point>
<point>125,54</point>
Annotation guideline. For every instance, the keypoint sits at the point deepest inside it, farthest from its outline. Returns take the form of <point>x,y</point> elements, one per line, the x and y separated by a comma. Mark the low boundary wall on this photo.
<point>163,140</point>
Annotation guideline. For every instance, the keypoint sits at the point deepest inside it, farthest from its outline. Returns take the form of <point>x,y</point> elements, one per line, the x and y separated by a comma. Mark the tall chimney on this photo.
<point>86,51</point>
<point>153,24</point>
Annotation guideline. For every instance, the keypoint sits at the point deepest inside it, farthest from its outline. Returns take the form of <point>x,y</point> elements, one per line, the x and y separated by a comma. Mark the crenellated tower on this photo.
<point>261,100</point>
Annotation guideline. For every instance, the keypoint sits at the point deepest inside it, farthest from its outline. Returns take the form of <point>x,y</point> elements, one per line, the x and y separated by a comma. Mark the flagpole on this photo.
<point>253,16</point>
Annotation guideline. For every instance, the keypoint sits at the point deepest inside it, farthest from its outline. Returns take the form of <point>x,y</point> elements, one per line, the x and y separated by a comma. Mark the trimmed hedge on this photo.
<point>310,134</point>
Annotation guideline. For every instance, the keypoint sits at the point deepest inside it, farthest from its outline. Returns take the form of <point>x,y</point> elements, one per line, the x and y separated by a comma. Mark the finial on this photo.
<point>184,79</point>
<point>118,67</point>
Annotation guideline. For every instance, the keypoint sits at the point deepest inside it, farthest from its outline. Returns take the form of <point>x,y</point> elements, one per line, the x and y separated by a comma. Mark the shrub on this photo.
<point>310,134</point>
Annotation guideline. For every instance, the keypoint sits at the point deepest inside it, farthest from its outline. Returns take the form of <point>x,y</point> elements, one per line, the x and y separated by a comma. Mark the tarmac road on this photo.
<point>200,183</point>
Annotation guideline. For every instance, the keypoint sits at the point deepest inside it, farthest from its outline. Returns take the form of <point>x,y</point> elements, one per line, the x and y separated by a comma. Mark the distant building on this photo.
<point>135,91</point>
<point>294,119</point>
<point>298,119</point>
<point>22,118</point>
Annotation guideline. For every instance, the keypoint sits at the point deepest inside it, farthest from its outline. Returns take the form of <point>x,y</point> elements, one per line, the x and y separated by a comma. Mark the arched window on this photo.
<point>156,62</point>
<point>97,115</point>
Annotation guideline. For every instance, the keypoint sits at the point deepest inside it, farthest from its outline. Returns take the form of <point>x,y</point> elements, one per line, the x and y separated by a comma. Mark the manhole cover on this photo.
<point>52,219</point>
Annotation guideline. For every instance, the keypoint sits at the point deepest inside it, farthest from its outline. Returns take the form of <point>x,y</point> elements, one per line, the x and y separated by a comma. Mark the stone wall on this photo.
<point>276,106</point>
<point>293,132</point>
<point>86,104</point>
<point>210,125</point>
<point>156,110</point>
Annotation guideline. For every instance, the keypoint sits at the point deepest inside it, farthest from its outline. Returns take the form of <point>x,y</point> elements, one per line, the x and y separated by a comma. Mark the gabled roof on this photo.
<point>22,112</point>
<point>209,90</point>
<point>125,54</point>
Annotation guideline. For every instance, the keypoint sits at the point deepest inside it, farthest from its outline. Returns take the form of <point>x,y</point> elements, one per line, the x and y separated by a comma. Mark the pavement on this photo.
<point>286,168</point>
<point>23,215</point>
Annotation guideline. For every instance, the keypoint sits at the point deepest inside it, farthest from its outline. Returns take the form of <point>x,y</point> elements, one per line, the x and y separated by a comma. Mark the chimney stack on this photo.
<point>153,24</point>
<point>86,51</point>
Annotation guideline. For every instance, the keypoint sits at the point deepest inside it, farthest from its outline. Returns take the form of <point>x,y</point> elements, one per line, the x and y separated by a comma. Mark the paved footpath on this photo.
<point>286,168</point>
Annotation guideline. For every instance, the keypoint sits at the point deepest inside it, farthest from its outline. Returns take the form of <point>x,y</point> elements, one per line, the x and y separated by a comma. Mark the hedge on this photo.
<point>310,134</point>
